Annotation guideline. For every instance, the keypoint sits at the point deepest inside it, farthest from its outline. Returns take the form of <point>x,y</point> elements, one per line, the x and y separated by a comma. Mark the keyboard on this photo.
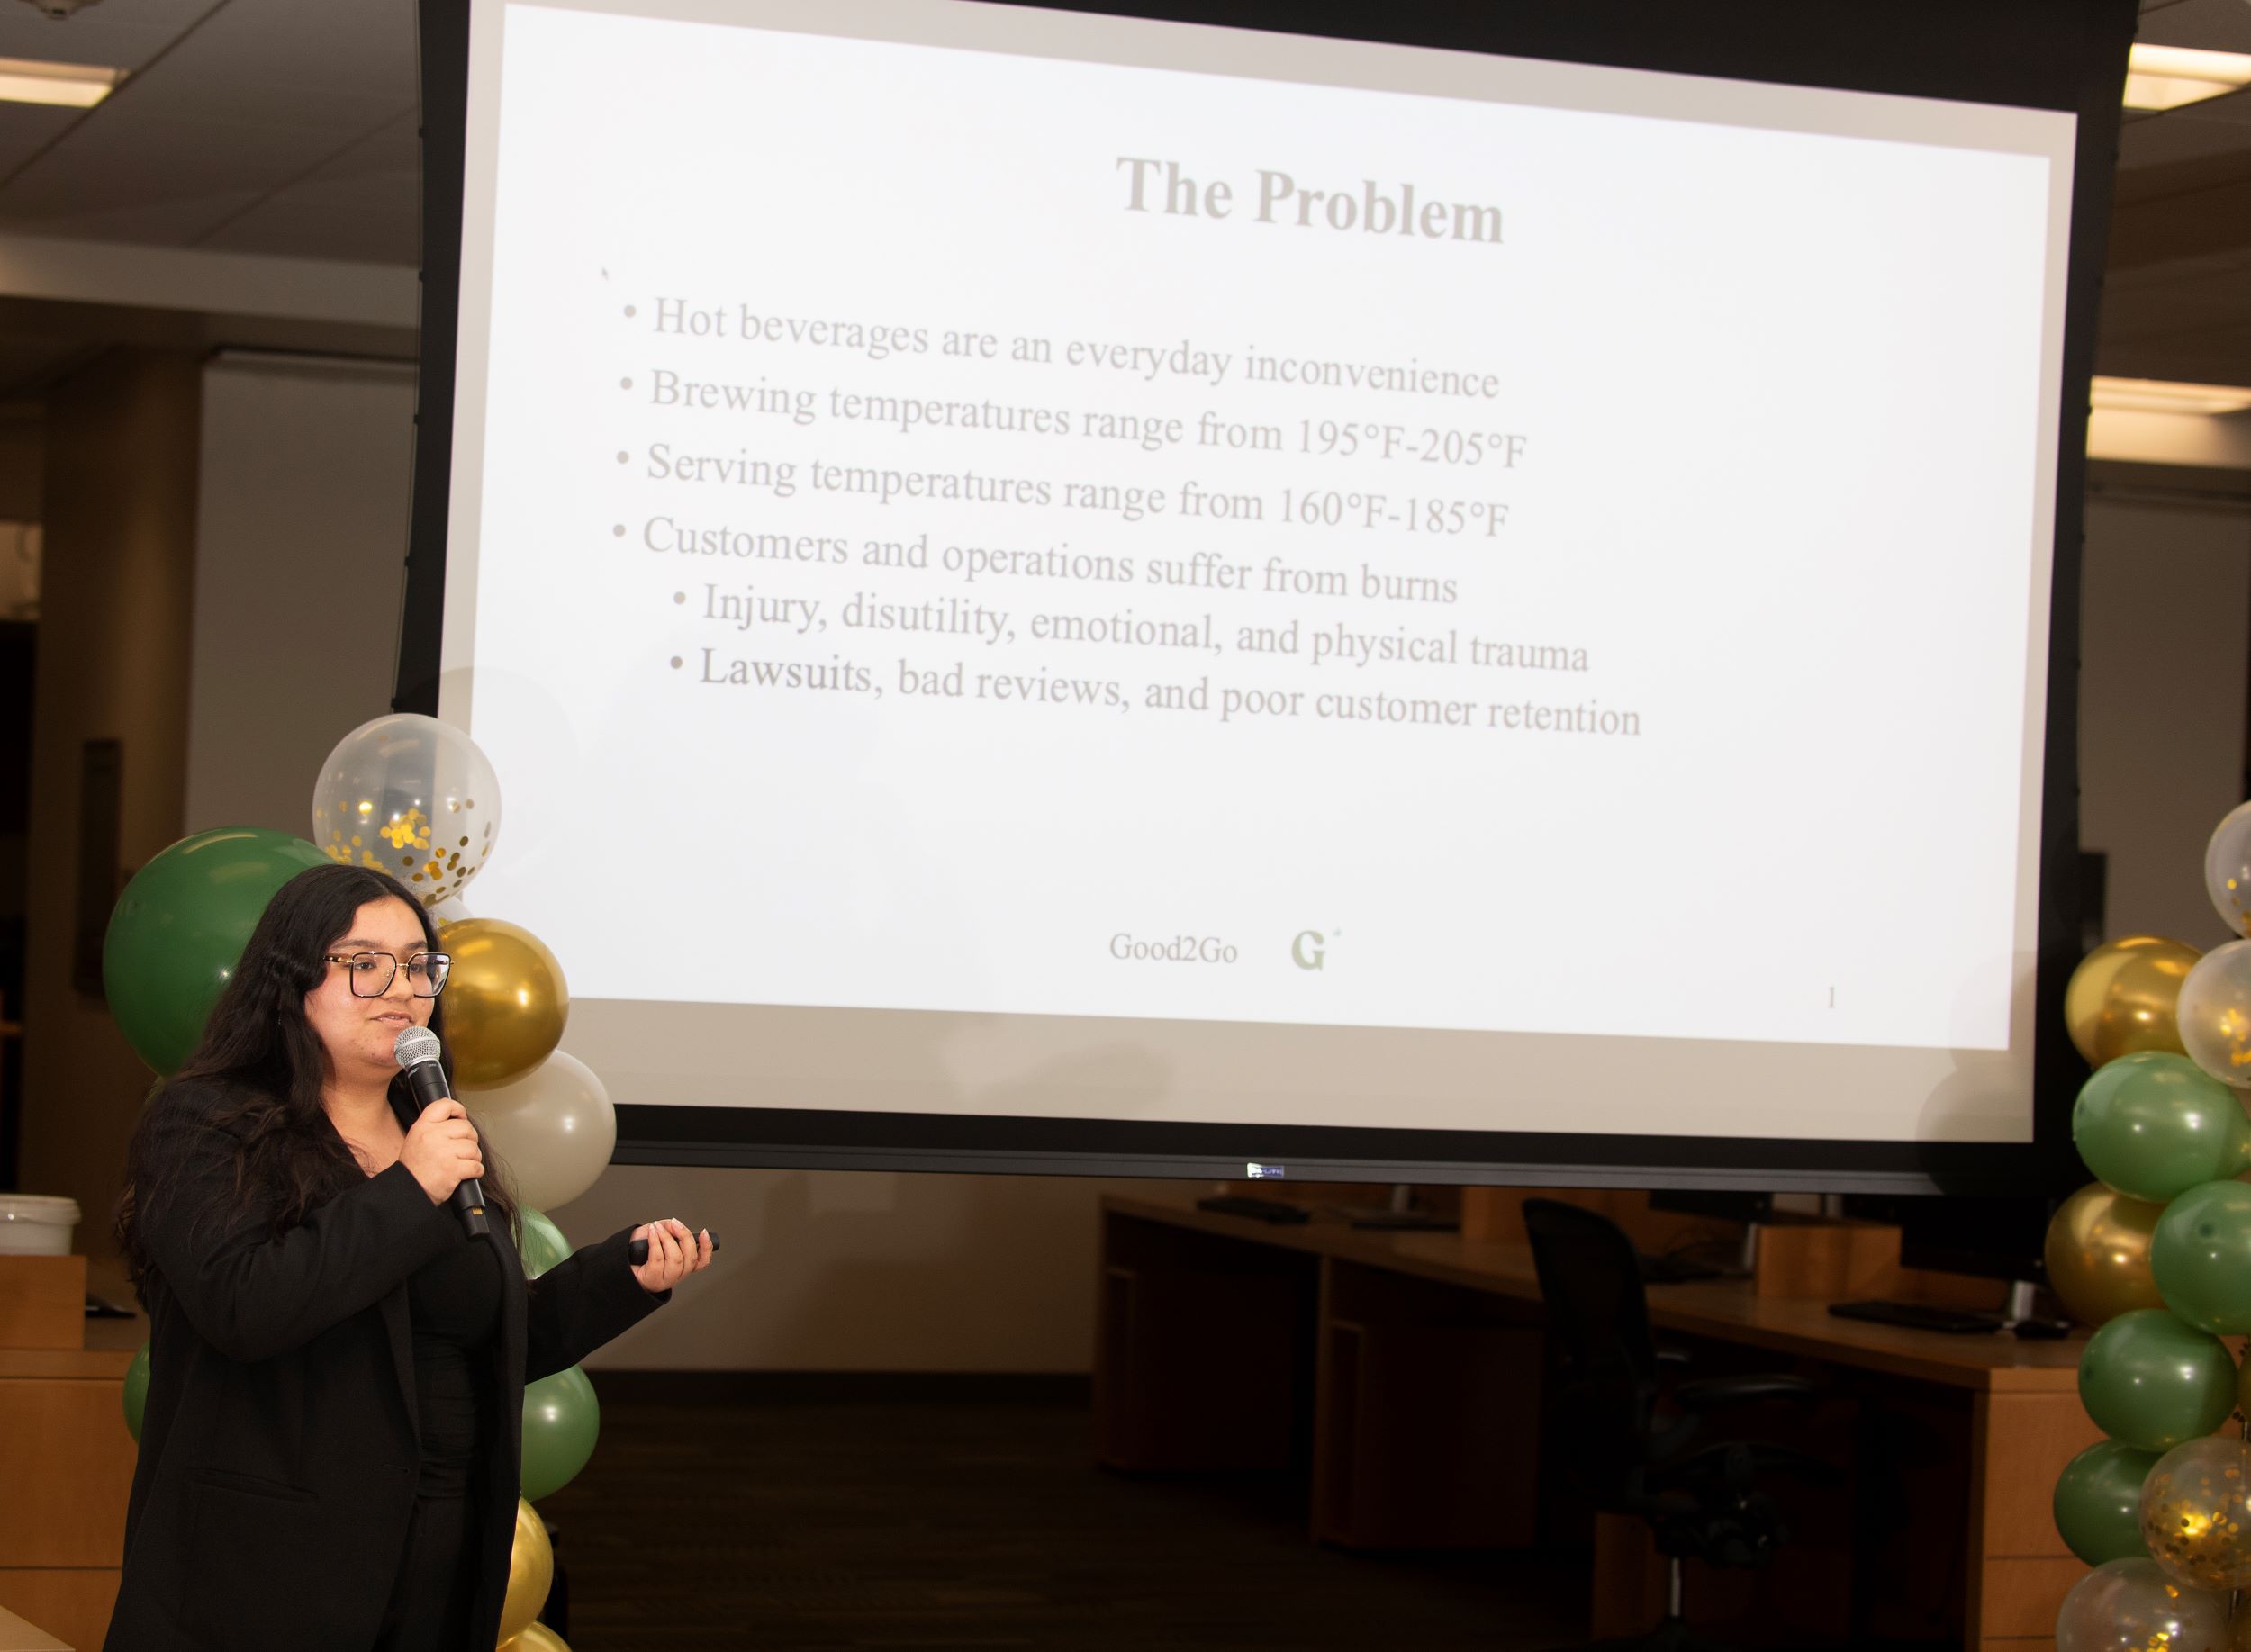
<point>1257,1210</point>
<point>1920,1316</point>
<point>1406,1221</point>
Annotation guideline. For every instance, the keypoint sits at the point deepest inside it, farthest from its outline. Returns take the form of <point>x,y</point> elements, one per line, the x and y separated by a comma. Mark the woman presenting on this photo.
<point>329,1451</point>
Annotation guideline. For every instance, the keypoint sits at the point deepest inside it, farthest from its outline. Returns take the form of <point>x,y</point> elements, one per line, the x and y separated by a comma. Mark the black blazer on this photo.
<point>278,1445</point>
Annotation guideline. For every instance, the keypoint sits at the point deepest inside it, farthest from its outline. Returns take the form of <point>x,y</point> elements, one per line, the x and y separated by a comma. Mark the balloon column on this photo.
<point>2156,1254</point>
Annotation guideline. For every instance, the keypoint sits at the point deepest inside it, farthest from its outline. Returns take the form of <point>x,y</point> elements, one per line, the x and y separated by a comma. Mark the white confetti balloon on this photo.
<point>410,795</point>
<point>2132,1606</point>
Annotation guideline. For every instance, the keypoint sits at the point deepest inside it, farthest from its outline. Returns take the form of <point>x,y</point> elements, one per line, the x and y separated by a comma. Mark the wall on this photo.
<point>301,521</point>
<point>832,1270</point>
<point>2164,673</point>
<point>117,580</point>
<point>22,460</point>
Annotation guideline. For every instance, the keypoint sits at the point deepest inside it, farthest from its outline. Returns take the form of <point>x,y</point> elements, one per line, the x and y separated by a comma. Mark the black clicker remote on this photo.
<point>637,1250</point>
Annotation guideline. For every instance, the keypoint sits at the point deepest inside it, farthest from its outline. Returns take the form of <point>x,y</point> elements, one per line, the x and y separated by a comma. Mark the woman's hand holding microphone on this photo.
<point>441,1150</point>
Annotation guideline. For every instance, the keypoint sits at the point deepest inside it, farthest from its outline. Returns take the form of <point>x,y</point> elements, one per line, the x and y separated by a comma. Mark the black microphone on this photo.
<point>417,1051</point>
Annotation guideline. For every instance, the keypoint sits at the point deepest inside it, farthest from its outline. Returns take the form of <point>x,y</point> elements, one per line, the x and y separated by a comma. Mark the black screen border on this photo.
<point>2067,55</point>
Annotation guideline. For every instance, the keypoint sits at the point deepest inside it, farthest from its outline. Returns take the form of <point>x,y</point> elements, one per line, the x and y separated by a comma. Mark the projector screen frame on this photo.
<point>2051,54</point>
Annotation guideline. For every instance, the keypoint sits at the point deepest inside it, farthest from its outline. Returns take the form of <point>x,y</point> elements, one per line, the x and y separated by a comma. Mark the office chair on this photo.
<point>1635,1437</point>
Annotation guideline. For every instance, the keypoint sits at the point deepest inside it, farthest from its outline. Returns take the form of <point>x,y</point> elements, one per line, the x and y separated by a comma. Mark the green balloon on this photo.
<point>2200,1254</point>
<point>561,1423</point>
<point>2152,1124</point>
<point>136,1390</point>
<point>539,1242</point>
<point>2150,1381</point>
<point>2098,1502</point>
<point>179,928</point>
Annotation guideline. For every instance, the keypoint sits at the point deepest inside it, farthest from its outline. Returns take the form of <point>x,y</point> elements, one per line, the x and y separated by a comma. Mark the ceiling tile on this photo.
<point>2233,110</point>
<point>2210,25</point>
<point>26,129</point>
<point>140,161</point>
<point>372,219</point>
<point>336,67</point>
<point>2221,356</point>
<point>2153,140</point>
<point>165,95</point>
<point>114,33</point>
<point>366,47</point>
<point>168,222</point>
<point>394,147</point>
<point>2176,310</point>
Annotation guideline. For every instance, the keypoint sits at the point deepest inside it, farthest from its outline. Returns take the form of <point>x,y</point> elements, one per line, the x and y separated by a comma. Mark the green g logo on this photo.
<point>1306,952</point>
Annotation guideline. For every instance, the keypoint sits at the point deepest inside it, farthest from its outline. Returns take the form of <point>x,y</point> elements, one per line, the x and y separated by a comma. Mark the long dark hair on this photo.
<point>271,1064</point>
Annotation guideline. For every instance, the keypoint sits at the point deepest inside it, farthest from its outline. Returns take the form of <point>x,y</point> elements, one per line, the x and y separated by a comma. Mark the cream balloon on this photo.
<point>2228,871</point>
<point>2214,1014</point>
<point>553,1129</point>
<point>410,795</point>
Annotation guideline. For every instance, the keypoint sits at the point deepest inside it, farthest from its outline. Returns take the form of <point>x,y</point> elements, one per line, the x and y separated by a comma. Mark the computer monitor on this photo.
<point>1998,1236</point>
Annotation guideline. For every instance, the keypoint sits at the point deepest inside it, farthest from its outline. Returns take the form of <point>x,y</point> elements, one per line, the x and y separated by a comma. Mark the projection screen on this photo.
<point>1067,590</point>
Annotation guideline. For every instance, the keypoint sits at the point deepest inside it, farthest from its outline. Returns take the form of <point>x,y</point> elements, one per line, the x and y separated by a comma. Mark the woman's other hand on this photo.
<point>673,1253</point>
<point>441,1150</point>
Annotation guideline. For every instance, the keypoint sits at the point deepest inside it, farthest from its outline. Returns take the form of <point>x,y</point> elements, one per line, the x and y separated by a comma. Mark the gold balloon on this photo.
<point>2121,998</point>
<point>505,1001</point>
<point>531,1573</point>
<point>2098,1254</point>
<point>2194,1514</point>
<point>539,1638</point>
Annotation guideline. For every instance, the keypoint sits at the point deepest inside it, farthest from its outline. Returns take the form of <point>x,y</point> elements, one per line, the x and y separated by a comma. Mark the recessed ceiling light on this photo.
<point>79,85</point>
<point>2159,396</point>
<point>2167,77</point>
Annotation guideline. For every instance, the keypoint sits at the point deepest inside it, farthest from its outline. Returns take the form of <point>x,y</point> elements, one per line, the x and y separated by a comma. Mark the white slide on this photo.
<point>1264,555</point>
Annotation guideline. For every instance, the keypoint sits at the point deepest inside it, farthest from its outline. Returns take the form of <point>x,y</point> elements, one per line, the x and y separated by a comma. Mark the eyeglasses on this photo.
<point>372,973</point>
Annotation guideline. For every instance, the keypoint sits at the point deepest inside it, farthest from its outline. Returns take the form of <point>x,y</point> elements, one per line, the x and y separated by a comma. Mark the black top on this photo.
<point>279,1448</point>
<point>455,1306</point>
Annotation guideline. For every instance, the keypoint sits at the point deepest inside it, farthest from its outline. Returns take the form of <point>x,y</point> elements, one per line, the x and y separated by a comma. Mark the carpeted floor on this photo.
<point>828,1514</point>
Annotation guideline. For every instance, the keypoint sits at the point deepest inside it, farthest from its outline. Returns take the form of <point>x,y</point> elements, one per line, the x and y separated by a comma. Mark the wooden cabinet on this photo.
<point>67,1461</point>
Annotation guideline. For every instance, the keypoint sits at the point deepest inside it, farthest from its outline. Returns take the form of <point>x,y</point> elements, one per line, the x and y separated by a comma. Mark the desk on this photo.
<point>68,1463</point>
<point>17,1636</point>
<point>1407,1365</point>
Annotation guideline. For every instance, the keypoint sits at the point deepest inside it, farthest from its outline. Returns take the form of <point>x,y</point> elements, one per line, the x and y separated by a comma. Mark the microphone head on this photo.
<point>414,1046</point>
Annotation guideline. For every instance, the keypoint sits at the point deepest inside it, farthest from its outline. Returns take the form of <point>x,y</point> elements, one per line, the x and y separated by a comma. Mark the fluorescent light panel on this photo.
<point>2168,77</point>
<point>2160,396</point>
<point>77,85</point>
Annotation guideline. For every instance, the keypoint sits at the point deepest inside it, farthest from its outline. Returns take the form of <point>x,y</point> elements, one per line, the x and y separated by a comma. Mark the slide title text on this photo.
<point>1374,209</point>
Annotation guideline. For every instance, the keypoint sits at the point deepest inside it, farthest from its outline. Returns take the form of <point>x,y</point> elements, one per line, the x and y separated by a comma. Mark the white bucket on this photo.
<point>32,1224</point>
